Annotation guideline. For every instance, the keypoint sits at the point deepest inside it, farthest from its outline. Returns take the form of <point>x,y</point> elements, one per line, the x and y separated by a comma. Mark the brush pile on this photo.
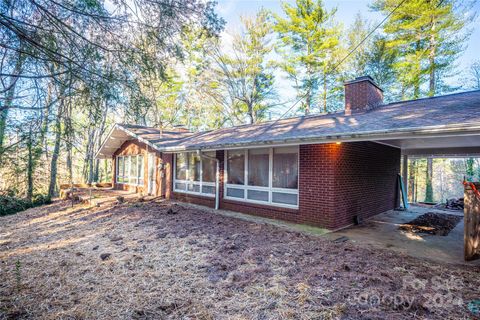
<point>455,204</point>
<point>435,223</point>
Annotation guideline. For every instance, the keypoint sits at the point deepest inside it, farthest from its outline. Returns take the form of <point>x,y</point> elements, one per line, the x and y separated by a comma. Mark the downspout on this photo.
<point>217,185</point>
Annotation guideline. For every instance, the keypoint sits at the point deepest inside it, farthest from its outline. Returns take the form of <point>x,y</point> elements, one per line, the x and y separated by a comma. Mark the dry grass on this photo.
<point>170,261</point>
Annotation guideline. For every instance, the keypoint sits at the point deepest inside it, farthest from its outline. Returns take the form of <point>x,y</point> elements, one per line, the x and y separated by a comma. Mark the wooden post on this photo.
<point>472,223</point>
<point>405,172</point>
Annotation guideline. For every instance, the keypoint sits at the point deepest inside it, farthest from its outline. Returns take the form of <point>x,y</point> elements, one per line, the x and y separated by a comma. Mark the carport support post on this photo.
<point>405,172</point>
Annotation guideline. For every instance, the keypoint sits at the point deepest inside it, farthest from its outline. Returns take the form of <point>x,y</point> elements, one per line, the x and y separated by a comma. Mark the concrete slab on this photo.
<point>383,231</point>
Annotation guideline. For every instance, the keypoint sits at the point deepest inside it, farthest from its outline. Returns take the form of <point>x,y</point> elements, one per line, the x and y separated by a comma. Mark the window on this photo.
<point>285,168</point>
<point>266,175</point>
<point>181,166</point>
<point>194,166</point>
<point>121,169</point>
<point>130,169</point>
<point>236,167</point>
<point>258,160</point>
<point>208,167</point>
<point>133,170</point>
<point>194,173</point>
<point>140,169</point>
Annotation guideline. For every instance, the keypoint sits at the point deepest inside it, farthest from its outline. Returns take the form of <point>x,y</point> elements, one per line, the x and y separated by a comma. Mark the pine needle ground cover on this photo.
<point>162,260</point>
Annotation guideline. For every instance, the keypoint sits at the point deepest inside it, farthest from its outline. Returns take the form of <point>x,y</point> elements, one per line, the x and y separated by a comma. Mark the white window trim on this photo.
<point>140,175</point>
<point>200,183</point>
<point>270,189</point>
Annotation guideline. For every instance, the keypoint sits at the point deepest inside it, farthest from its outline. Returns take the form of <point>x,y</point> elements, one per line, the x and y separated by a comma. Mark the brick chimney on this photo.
<point>362,94</point>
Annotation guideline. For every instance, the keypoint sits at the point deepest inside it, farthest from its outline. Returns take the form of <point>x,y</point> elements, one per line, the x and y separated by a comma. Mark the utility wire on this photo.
<point>346,57</point>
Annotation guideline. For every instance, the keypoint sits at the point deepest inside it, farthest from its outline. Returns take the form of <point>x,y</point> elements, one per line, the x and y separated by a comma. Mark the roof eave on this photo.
<point>133,135</point>
<point>433,131</point>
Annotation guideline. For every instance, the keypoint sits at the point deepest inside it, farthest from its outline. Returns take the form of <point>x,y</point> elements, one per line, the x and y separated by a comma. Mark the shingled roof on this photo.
<point>454,113</point>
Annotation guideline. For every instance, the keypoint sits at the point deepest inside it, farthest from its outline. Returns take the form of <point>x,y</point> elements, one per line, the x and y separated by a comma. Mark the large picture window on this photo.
<point>194,173</point>
<point>266,175</point>
<point>130,169</point>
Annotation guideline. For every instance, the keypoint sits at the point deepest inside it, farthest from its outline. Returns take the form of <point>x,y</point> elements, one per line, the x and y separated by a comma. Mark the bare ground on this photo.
<point>161,260</point>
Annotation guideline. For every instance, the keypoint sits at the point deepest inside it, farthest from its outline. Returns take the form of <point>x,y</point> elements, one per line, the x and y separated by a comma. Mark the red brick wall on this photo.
<point>317,183</point>
<point>336,182</point>
<point>196,199</point>
<point>366,183</point>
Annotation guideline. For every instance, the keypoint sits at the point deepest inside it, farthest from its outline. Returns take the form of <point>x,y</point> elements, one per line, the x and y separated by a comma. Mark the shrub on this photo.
<point>41,199</point>
<point>10,204</point>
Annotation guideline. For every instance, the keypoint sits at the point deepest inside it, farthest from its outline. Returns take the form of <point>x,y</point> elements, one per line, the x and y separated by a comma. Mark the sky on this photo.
<point>232,10</point>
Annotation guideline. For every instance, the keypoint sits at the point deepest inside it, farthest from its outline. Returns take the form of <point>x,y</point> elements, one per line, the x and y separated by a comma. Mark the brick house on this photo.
<point>326,170</point>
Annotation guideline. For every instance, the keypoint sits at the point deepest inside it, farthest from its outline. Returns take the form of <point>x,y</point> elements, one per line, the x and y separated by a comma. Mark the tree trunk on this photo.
<point>417,76</point>
<point>56,151</point>
<point>428,181</point>
<point>415,195</point>
<point>469,169</point>
<point>107,177</point>
<point>30,167</point>
<point>308,102</point>
<point>68,138</point>
<point>325,93</point>
<point>431,59</point>
<point>10,94</point>
<point>411,180</point>
<point>250,113</point>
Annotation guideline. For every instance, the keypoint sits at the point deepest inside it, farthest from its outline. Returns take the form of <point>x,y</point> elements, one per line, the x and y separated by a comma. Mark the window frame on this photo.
<point>189,182</point>
<point>270,189</point>
<point>125,177</point>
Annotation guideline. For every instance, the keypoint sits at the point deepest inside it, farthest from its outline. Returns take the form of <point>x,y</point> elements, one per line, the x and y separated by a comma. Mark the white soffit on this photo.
<point>114,141</point>
<point>434,142</point>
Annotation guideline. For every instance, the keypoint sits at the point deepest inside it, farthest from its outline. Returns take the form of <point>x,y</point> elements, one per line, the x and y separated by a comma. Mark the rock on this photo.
<point>95,248</point>
<point>105,256</point>
<point>162,235</point>
<point>171,211</point>
<point>78,254</point>
<point>116,239</point>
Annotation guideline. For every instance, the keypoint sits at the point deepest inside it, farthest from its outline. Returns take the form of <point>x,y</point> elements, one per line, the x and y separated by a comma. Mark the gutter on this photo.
<point>380,135</point>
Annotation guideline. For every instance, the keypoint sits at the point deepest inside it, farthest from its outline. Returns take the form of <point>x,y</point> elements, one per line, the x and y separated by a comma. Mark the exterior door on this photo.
<point>151,174</point>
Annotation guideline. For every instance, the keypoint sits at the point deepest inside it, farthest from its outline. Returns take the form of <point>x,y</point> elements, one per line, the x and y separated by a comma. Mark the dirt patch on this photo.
<point>171,261</point>
<point>435,223</point>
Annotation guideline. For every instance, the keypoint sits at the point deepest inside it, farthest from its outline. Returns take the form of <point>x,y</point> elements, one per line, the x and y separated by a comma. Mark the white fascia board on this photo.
<point>139,138</point>
<point>129,133</point>
<point>375,136</point>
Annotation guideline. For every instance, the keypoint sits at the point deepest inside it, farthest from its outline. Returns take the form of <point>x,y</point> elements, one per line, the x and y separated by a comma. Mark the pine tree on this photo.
<point>427,37</point>
<point>309,41</point>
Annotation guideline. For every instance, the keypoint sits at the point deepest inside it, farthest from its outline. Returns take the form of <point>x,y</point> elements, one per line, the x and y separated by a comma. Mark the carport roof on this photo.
<point>443,116</point>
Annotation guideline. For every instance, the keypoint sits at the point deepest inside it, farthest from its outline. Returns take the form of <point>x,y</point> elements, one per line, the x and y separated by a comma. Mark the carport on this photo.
<point>443,144</point>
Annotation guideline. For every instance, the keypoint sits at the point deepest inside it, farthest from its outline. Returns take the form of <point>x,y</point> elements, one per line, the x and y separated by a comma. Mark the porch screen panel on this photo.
<point>208,167</point>
<point>194,174</point>
<point>285,168</point>
<point>258,162</point>
<point>193,167</point>
<point>120,169</point>
<point>140,169</point>
<point>130,169</point>
<point>133,170</point>
<point>236,167</point>
<point>181,166</point>
<point>271,176</point>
